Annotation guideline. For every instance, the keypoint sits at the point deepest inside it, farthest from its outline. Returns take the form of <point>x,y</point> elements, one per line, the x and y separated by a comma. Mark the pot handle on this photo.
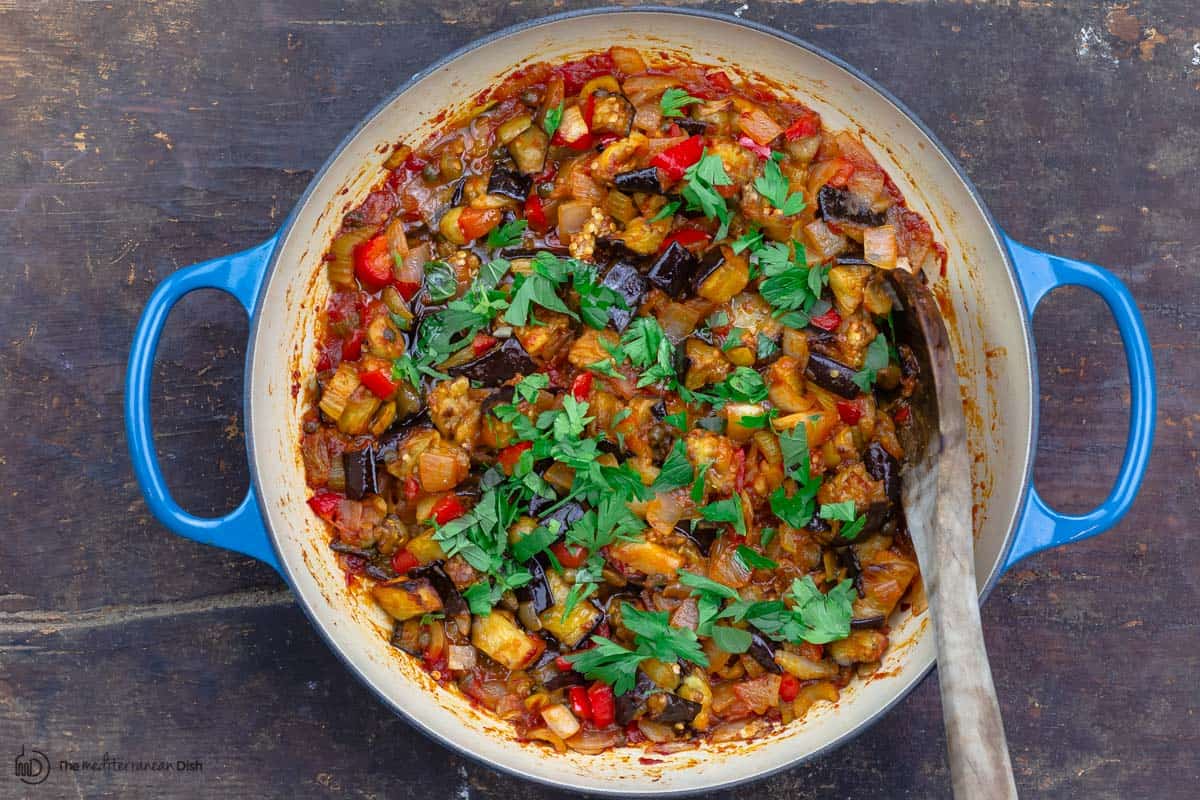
<point>242,529</point>
<point>1041,526</point>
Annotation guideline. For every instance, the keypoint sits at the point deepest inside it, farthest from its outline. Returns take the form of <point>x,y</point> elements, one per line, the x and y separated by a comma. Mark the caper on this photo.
<point>545,188</point>
<point>531,97</point>
<point>431,172</point>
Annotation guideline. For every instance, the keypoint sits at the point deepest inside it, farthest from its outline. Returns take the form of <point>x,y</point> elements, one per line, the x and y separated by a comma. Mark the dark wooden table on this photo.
<point>136,138</point>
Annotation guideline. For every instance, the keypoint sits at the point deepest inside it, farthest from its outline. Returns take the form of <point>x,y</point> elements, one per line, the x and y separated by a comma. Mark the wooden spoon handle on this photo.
<point>979,761</point>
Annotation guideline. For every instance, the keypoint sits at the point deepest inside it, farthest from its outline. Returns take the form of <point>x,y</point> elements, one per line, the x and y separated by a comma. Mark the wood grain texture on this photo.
<point>136,138</point>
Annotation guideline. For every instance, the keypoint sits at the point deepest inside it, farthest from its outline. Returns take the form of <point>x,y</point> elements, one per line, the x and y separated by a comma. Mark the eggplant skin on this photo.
<point>567,515</point>
<point>639,180</point>
<point>509,183</point>
<point>673,270</point>
<point>674,708</point>
<point>625,280</point>
<point>360,472</point>
<point>694,127</point>
<point>702,536</point>
<point>763,651</point>
<point>610,249</point>
<point>832,375</point>
<point>453,601</point>
<point>838,205</point>
<point>497,365</point>
<point>882,466</point>
<point>537,592</point>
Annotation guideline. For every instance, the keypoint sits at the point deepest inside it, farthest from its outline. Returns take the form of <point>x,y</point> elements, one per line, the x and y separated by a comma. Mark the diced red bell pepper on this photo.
<point>807,124</point>
<point>581,387</point>
<point>403,560</point>
<point>373,263</point>
<point>412,488</point>
<point>580,706</point>
<point>789,687</point>
<point>903,415</point>
<point>687,237</point>
<point>674,161</point>
<point>535,213</point>
<point>482,343</point>
<point>719,80</point>
<point>571,556</point>
<point>510,455</point>
<point>760,149</point>
<point>379,382</point>
<point>476,222</point>
<point>829,321</point>
<point>603,704</point>
<point>447,509</point>
<point>352,347</point>
<point>851,411</point>
<point>325,504</point>
<point>562,664</point>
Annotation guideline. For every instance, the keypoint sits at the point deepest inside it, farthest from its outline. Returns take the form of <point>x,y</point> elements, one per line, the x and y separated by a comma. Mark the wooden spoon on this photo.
<point>937,504</point>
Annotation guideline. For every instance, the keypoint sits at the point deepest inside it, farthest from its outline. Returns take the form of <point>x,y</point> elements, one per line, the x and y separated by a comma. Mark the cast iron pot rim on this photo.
<point>285,231</point>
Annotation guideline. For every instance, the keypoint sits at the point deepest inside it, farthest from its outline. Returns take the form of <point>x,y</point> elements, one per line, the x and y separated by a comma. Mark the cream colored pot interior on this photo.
<point>994,363</point>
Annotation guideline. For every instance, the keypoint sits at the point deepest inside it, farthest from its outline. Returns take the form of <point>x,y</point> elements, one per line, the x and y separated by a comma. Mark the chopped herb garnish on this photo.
<point>674,100</point>
<point>752,559</point>
<point>507,235</point>
<point>553,120</point>
<point>774,186</point>
<point>877,359</point>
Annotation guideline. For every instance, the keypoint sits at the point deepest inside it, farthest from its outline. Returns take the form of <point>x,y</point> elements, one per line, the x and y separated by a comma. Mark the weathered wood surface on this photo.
<point>136,138</point>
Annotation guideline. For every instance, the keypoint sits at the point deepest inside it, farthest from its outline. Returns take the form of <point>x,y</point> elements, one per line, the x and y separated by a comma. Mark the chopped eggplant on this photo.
<point>537,592</point>
<point>511,253</point>
<point>360,473</point>
<point>497,365</point>
<point>868,622</point>
<point>539,504</point>
<point>762,650</point>
<point>569,629</point>
<point>632,704</point>
<point>848,558</point>
<point>612,113</point>
<point>453,602</point>
<point>529,150</point>
<point>610,249</point>
<point>504,642</point>
<point>877,515</point>
<point>703,535</point>
<point>338,546</point>
<point>694,127</point>
<point>673,270</point>
<point>567,515</point>
<point>626,281</point>
<point>639,180</point>
<point>671,709</point>
<point>822,341</point>
<point>509,183</point>
<point>457,196</point>
<point>404,599</point>
<point>721,275</point>
<point>831,375</point>
<point>840,206</point>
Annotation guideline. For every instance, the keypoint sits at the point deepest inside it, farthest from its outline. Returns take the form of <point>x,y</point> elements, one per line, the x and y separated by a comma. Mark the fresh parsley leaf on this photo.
<point>825,617</point>
<point>703,584</point>
<point>728,510</point>
<point>666,211</point>
<point>733,339</point>
<point>528,387</point>
<point>641,340</point>
<point>765,536</point>
<point>674,100</point>
<point>794,445</point>
<point>731,640</point>
<point>877,359</point>
<point>758,421</point>
<point>766,347</point>
<point>440,282</point>
<point>751,240</point>
<point>606,368</point>
<point>538,287</point>
<point>427,619</point>
<point>843,511</point>
<point>655,636</point>
<point>796,510</point>
<point>774,186</point>
<point>717,319</point>
<point>700,191</point>
<point>608,662</point>
<point>595,299</point>
<point>507,235</point>
<point>676,470</point>
<point>580,591</point>
<point>743,385</point>
<point>752,559</point>
<point>678,420</point>
<point>852,530</point>
<point>534,542</point>
<point>552,120</point>
<point>698,485</point>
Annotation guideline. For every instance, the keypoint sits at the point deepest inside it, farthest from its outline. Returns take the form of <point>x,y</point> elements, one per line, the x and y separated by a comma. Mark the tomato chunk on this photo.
<point>373,263</point>
<point>325,504</point>
<point>510,455</point>
<point>581,387</point>
<point>447,509</point>
<point>674,161</point>
<point>851,411</point>
<point>789,687</point>
<point>403,560</point>
<point>829,321</point>
<point>571,556</point>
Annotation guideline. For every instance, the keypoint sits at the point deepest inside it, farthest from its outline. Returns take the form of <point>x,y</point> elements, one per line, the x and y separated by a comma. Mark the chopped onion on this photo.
<point>461,657</point>
<point>594,742</point>
<point>678,320</point>
<point>412,268</point>
<point>803,668</point>
<point>547,735</point>
<point>664,511</point>
<point>441,469</point>
<point>879,246</point>
<point>823,242</point>
<point>572,215</point>
<point>759,126</point>
<point>656,731</point>
<point>560,720</point>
